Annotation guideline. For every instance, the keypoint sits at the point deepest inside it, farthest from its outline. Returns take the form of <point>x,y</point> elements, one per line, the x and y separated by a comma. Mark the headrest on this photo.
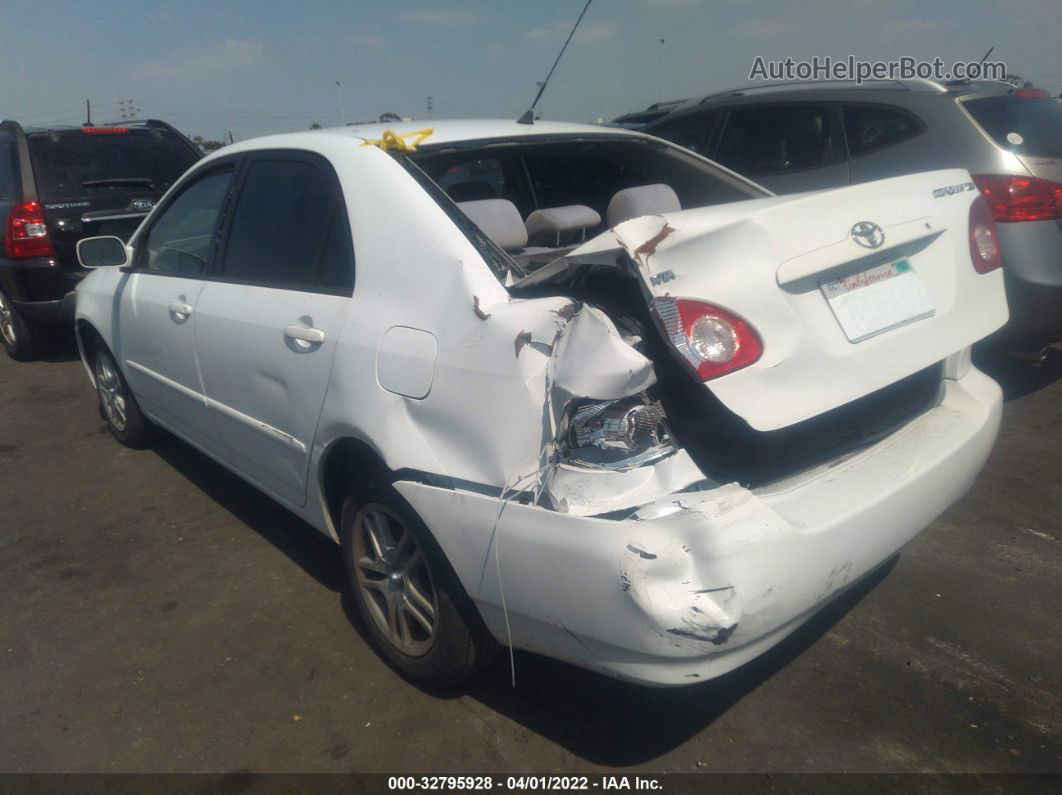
<point>643,200</point>
<point>500,221</point>
<point>545,226</point>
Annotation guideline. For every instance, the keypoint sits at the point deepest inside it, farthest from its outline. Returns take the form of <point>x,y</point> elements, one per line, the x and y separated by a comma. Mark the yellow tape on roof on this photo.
<point>398,143</point>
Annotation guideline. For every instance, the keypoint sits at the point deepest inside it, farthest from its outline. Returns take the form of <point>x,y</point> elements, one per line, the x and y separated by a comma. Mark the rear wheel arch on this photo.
<point>355,479</point>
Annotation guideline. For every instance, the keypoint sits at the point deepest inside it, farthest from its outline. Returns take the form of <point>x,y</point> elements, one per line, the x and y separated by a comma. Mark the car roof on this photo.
<point>132,125</point>
<point>443,132</point>
<point>847,90</point>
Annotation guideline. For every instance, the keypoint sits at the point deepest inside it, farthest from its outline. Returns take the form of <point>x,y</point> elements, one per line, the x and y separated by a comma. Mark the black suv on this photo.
<point>59,185</point>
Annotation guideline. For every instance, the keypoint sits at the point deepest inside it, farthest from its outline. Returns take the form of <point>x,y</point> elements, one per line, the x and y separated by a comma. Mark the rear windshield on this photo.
<point>1024,125</point>
<point>79,164</point>
<point>535,174</point>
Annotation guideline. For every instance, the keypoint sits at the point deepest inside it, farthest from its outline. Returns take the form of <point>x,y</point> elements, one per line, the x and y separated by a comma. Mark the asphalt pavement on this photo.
<point>160,615</point>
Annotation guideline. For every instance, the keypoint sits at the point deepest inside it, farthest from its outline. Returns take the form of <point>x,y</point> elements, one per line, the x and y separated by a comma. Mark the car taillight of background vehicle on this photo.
<point>984,241</point>
<point>711,340</point>
<point>1032,93</point>
<point>25,234</point>
<point>1013,198</point>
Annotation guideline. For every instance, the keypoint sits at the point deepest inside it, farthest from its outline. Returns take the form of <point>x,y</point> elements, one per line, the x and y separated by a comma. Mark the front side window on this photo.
<point>282,228</point>
<point>776,139</point>
<point>182,239</point>
<point>870,127</point>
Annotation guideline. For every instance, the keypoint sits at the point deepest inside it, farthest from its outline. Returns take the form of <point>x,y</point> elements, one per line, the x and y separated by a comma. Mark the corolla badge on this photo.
<point>141,205</point>
<point>867,234</point>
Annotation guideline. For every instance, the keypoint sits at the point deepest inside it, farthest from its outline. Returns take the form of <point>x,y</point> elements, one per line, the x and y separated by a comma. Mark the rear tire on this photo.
<point>417,613</point>
<point>22,339</point>
<point>118,407</point>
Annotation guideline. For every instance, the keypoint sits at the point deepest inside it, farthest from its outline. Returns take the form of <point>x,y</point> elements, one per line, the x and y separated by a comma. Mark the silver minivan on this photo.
<point>810,136</point>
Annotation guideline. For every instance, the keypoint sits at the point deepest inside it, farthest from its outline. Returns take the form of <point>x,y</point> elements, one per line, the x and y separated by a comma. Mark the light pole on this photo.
<point>342,114</point>
<point>660,97</point>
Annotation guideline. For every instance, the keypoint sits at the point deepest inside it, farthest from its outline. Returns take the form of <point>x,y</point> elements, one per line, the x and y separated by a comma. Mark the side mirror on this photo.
<point>102,252</point>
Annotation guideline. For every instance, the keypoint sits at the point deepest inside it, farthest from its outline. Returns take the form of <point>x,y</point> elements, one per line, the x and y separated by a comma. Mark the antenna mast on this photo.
<point>529,116</point>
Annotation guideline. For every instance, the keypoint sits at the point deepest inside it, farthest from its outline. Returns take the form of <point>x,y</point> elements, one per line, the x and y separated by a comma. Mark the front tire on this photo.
<point>22,339</point>
<point>118,407</point>
<point>416,611</point>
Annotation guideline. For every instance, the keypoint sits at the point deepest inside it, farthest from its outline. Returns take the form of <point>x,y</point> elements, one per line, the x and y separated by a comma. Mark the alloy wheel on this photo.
<point>7,322</point>
<point>112,394</point>
<point>394,580</point>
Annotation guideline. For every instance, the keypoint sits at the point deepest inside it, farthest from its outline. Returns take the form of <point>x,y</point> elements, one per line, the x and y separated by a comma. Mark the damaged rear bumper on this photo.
<point>699,583</point>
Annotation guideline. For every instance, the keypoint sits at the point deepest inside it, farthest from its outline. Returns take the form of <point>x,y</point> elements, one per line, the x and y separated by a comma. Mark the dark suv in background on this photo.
<point>59,185</point>
<point>810,136</point>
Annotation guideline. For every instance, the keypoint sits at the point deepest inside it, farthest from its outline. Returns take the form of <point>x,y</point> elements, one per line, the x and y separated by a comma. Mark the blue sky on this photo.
<point>269,66</point>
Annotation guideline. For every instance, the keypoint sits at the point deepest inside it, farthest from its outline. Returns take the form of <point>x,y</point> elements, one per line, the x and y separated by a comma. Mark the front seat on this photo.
<point>643,200</point>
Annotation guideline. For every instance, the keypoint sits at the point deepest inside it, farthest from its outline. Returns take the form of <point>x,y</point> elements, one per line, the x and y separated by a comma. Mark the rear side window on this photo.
<point>79,164</point>
<point>774,139</point>
<point>287,229</point>
<point>182,239</point>
<point>691,130</point>
<point>1023,125</point>
<point>869,127</point>
<point>8,167</point>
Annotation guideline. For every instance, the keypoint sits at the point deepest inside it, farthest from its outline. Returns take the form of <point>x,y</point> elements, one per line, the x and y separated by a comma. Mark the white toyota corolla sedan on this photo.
<point>558,387</point>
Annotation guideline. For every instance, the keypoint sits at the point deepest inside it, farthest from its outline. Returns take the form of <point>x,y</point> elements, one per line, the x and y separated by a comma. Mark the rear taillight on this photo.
<point>984,242</point>
<point>1032,93</point>
<point>711,340</point>
<point>1013,198</point>
<point>25,234</point>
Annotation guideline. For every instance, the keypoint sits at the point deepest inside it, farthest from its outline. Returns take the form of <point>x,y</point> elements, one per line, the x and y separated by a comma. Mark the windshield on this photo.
<point>79,164</point>
<point>1023,125</point>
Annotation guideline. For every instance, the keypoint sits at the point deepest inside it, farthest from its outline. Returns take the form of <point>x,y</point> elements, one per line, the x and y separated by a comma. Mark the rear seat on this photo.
<point>501,222</point>
<point>560,226</point>
<point>643,200</point>
<point>557,230</point>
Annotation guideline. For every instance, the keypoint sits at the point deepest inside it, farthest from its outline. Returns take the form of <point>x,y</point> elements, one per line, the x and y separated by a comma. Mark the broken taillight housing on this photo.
<point>984,240</point>
<point>710,340</point>
<point>617,434</point>
<point>25,234</point>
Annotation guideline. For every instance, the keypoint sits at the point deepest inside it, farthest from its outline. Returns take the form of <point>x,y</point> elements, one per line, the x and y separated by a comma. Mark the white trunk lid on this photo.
<point>914,300</point>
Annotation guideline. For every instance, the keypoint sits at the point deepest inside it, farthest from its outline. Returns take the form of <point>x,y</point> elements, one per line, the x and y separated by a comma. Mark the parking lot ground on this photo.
<point>159,615</point>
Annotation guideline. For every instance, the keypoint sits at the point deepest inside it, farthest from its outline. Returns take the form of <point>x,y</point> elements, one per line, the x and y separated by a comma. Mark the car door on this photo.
<point>786,147</point>
<point>157,304</point>
<point>268,320</point>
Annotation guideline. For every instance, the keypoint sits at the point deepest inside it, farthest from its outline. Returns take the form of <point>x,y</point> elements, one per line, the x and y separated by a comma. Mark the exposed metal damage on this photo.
<point>696,564</point>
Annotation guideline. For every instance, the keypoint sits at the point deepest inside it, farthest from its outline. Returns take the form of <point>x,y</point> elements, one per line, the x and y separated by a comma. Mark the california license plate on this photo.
<point>878,299</point>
